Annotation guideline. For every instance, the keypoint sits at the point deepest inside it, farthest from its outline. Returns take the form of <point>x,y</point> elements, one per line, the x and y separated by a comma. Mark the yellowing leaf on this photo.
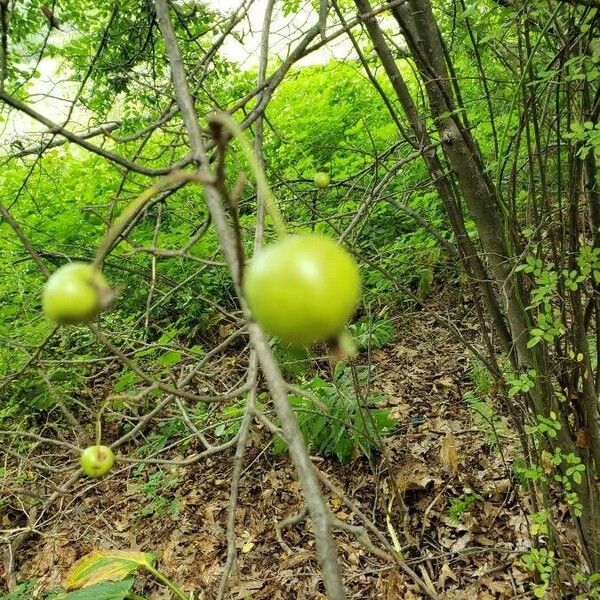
<point>247,547</point>
<point>106,565</point>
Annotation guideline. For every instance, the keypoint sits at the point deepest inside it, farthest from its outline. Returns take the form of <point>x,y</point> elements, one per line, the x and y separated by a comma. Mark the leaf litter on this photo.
<point>443,488</point>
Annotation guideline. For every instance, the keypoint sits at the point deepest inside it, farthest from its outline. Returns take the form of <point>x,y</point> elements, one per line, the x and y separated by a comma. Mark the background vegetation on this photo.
<point>461,138</point>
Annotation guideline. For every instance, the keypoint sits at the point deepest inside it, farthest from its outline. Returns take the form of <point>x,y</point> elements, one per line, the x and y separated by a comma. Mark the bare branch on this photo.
<point>39,148</point>
<point>327,553</point>
<point>76,139</point>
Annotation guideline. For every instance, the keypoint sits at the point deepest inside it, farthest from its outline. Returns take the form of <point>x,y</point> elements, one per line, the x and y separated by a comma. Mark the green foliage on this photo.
<point>114,590</point>
<point>522,383</point>
<point>569,476</point>
<point>295,361</point>
<point>588,136</point>
<point>23,591</point>
<point>106,575</point>
<point>592,583</point>
<point>336,421</point>
<point>545,426</point>
<point>32,589</point>
<point>230,420</point>
<point>528,472</point>
<point>480,401</point>
<point>485,417</point>
<point>323,139</point>
<point>159,492</point>
<point>540,522</point>
<point>481,378</point>
<point>370,332</point>
<point>541,562</point>
<point>459,506</point>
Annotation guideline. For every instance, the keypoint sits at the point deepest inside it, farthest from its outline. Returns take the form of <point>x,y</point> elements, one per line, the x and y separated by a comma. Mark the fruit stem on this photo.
<point>99,421</point>
<point>167,582</point>
<point>236,131</point>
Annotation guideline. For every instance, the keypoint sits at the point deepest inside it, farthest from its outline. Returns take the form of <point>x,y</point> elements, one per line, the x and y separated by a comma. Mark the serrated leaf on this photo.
<point>106,565</point>
<point>114,590</point>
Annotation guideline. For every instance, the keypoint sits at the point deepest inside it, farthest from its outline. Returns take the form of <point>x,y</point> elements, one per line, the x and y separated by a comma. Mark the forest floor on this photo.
<point>457,513</point>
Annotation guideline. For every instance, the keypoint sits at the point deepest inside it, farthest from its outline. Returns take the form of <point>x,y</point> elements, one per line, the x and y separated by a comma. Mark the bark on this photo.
<point>422,36</point>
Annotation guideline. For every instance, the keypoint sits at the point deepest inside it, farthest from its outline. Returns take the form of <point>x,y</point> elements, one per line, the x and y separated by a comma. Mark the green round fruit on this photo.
<point>97,461</point>
<point>322,179</point>
<point>72,294</point>
<point>303,288</point>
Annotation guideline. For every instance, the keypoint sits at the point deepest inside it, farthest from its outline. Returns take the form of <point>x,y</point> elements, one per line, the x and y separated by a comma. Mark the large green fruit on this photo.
<point>303,288</point>
<point>322,179</point>
<point>97,461</point>
<point>73,294</point>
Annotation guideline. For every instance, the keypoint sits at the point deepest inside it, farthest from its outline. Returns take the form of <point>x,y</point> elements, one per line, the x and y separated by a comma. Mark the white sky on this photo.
<point>282,30</point>
<point>49,94</point>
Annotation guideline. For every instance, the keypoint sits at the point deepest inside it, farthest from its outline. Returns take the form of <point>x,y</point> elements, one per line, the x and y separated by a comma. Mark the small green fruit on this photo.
<point>97,461</point>
<point>322,179</point>
<point>73,294</point>
<point>303,288</point>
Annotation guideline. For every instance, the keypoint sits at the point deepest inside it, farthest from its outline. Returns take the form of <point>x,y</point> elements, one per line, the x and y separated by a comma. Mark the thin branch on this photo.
<point>238,465</point>
<point>24,240</point>
<point>39,148</point>
<point>76,139</point>
<point>326,550</point>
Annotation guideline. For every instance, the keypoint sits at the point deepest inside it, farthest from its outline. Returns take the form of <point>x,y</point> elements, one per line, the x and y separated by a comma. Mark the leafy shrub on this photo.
<point>373,333</point>
<point>349,425</point>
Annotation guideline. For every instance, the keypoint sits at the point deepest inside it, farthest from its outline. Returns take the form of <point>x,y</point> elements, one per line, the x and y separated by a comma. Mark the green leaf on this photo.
<point>125,381</point>
<point>115,590</point>
<point>106,565</point>
<point>170,358</point>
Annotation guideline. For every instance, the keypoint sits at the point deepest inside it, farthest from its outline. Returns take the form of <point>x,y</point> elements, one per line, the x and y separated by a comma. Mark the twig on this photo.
<point>165,387</point>
<point>24,240</point>
<point>289,522</point>
<point>31,360</point>
<point>238,464</point>
<point>80,141</point>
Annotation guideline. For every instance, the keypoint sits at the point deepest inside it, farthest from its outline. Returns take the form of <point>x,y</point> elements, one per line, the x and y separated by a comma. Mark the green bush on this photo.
<point>335,420</point>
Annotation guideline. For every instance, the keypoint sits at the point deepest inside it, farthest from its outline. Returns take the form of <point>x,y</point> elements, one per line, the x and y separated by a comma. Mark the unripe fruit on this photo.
<point>73,294</point>
<point>322,179</point>
<point>97,461</point>
<point>303,288</point>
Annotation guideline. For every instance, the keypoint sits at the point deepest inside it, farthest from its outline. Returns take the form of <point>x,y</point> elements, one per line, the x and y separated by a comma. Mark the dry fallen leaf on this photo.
<point>449,453</point>
<point>445,573</point>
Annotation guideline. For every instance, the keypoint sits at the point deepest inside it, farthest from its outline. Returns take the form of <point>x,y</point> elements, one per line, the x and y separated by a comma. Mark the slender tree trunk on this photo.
<point>474,266</point>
